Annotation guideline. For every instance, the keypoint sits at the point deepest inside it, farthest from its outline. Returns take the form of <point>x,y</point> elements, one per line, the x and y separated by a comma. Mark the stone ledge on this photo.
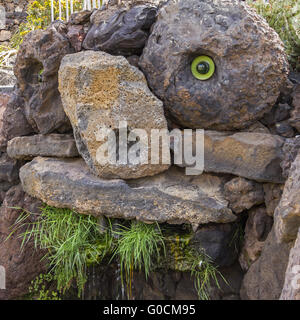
<point>168,197</point>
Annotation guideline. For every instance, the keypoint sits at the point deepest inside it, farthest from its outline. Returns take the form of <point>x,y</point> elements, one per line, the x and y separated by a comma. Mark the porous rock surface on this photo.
<point>258,226</point>
<point>272,195</point>
<point>21,265</point>
<point>168,197</point>
<point>51,145</point>
<point>9,172</point>
<point>291,288</point>
<point>243,194</point>
<point>36,71</point>
<point>98,91</point>
<point>252,155</point>
<point>120,30</point>
<point>265,277</point>
<point>249,56</point>
<point>13,122</point>
<point>295,114</point>
<point>287,213</point>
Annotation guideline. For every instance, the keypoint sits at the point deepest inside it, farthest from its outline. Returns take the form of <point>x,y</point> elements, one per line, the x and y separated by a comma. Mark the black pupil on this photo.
<point>203,67</point>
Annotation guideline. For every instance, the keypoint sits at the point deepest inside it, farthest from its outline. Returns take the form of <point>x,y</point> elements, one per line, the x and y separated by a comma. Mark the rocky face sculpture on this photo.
<point>215,64</point>
<point>37,71</point>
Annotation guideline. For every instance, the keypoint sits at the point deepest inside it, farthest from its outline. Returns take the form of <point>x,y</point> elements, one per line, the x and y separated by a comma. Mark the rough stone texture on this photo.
<point>9,172</point>
<point>287,214</point>
<point>258,226</point>
<point>291,288</point>
<point>290,150</point>
<point>13,122</point>
<point>284,129</point>
<point>76,36</point>
<point>295,114</point>
<point>251,65</point>
<point>2,17</point>
<point>170,196</point>
<point>98,91</point>
<point>251,155</point>
<point>52,145</point>
<point>120,31</point>
<point>21,266</point>
<point>103,283</point>
<point>216,241</point>
<point>272,194</point>
<point>81,17</point>
<point>243,194</point>
<point>36,70</point>
<point>264,279</point>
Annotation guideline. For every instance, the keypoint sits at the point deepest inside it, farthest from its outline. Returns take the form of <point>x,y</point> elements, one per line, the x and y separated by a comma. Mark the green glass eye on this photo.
<point>203,67</point>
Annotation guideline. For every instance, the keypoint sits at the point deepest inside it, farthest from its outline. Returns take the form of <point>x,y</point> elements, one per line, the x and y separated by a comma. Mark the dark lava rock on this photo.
<point>21,266</point>
<point>13,122</point>
<point>9,172</point>
<point>243,194</point>
<point>265,278</point>
<point>218,243</point>
<point>36,70</point>
<point>284,129</point>
<point>120,31</point>
<point>251,65</point>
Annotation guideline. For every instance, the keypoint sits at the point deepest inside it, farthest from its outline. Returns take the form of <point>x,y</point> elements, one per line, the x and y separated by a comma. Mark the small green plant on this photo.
<point>72,240</point>
<point>39,288</point>
<point>137,248</point>
<point>284,17</point>
<point>204,273</point>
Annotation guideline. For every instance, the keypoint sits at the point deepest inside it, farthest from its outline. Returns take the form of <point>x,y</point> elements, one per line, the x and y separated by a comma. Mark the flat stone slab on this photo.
<point>251,155</point>
<point>51,145</point>
<point>168,197</point>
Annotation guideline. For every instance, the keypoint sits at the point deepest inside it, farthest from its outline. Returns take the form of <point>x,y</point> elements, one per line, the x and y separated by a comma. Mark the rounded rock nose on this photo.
<point>250,65</point>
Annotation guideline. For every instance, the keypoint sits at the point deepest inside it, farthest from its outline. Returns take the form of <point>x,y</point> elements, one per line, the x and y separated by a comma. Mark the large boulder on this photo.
<point>265,277</point>
<point>249,58</point>
<point>291,288</point>
<point>21,265</point>
<point>36,70</point>
<point>120,30</point>
<point>51,145</point>
<point>98,92</point>
<point>168,197</point>
<point>287,213</point>
<point>243,194</point>
<point>252,155</point>
<point>13,122</point>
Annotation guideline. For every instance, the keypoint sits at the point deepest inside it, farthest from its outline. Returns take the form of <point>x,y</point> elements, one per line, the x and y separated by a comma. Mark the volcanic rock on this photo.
<point>167,197</point>
<point>99,91</point>
<point>52,145</point>
<point>287,213</point>
<point>36,70</point>
<point>120,31</point>
<point>249,57</point>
